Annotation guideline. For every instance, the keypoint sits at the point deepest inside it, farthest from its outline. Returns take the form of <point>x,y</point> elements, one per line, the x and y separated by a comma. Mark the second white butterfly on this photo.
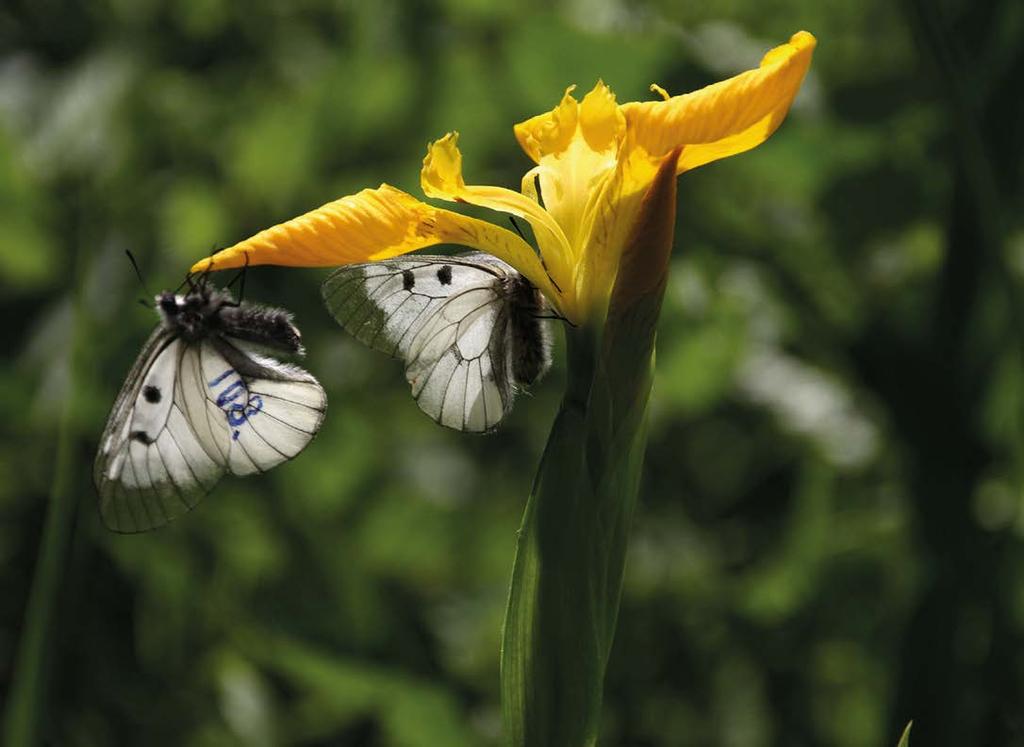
<point>469,328</point>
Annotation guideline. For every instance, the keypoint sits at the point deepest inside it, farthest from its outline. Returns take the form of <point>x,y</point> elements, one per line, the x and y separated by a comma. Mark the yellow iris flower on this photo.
<point>594,162</point>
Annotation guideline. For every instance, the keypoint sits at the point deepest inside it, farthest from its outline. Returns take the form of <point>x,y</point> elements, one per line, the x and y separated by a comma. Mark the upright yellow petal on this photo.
<point>727,117</point>
<point>609,221</point>
<point>601,122</point>
<point>570,183</point>
<point>550,132</point>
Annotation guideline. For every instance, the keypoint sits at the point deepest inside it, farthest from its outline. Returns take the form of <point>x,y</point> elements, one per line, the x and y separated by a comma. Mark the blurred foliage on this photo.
<point>829,537</point>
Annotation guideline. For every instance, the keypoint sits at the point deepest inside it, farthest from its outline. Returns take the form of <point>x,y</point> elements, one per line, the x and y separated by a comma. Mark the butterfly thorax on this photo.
<point>192,316</point>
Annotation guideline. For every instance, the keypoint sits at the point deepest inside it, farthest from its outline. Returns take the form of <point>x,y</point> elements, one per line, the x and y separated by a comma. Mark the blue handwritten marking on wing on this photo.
<point>235,412</point>
<point>234,391</point>
<point>221,377</point>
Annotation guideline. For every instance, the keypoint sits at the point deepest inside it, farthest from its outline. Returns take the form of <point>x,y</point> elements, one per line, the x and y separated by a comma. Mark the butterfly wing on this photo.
<point>446,317</point>
<point>220,409</point>
<point>250,412</point>
<point>150,467</point>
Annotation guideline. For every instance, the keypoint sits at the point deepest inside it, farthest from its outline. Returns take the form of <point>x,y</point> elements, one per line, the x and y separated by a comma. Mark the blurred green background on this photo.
<point>829,537</point>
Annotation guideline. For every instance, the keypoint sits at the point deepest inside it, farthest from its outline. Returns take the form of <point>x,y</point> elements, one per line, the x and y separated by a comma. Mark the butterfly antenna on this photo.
<point>206,273</point>
<point>554,316</point>
<point>241,276</point>
<point>138,274</point>
<point>544,265</point>
<point>552,313</point>
<point>515,225</point>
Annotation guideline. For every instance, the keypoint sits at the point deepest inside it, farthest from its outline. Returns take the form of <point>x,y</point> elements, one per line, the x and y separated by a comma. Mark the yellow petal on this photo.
<point>600,120</point>
<point>570,185</point>
<point>551,132</point>
<point>559,264</point>
<point>372,224</point>
<point>376,224</point>
<point>441,175</point>
<point>727,117</point>
<point>608,222</point>
<point>441,178</point>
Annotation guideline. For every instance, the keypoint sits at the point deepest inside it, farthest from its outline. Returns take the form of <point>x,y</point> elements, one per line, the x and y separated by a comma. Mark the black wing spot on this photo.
<point>445,274</point>
<point>408,280</point>
<point>151,393</point>
<point>142,437</point>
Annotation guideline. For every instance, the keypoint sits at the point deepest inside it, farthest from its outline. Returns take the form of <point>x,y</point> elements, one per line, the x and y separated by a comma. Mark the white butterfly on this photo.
<point>200,402</point>
<point>466,326</point>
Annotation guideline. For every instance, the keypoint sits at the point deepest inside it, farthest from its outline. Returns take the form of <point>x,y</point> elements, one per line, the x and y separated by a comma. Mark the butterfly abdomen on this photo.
<point>262,325</point>
<point>530,343</point>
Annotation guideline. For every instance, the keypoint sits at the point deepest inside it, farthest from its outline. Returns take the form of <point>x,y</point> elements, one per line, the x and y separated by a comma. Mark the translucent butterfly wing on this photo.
<point>150,467</point>
<point>383,304</point>
<point>251,412</point>
<point>456,365</point>
<point>445,317</point>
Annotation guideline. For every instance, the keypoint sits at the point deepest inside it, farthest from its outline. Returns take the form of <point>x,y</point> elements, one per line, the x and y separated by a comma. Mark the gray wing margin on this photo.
<point>154,345</point>
<point>143,485</point>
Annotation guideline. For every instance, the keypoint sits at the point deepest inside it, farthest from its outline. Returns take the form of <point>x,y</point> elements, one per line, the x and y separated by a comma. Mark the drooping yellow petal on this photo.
<point>727,117</point>
<point>372,224</point>
<point>559,264</point>
<point>376,224</point>
<point>454,228</point>
<point>441,178</point>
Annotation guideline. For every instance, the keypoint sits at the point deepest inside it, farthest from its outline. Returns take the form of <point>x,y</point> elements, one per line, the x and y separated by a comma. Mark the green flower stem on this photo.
<point>27,695</point>
<point>567,579</point>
